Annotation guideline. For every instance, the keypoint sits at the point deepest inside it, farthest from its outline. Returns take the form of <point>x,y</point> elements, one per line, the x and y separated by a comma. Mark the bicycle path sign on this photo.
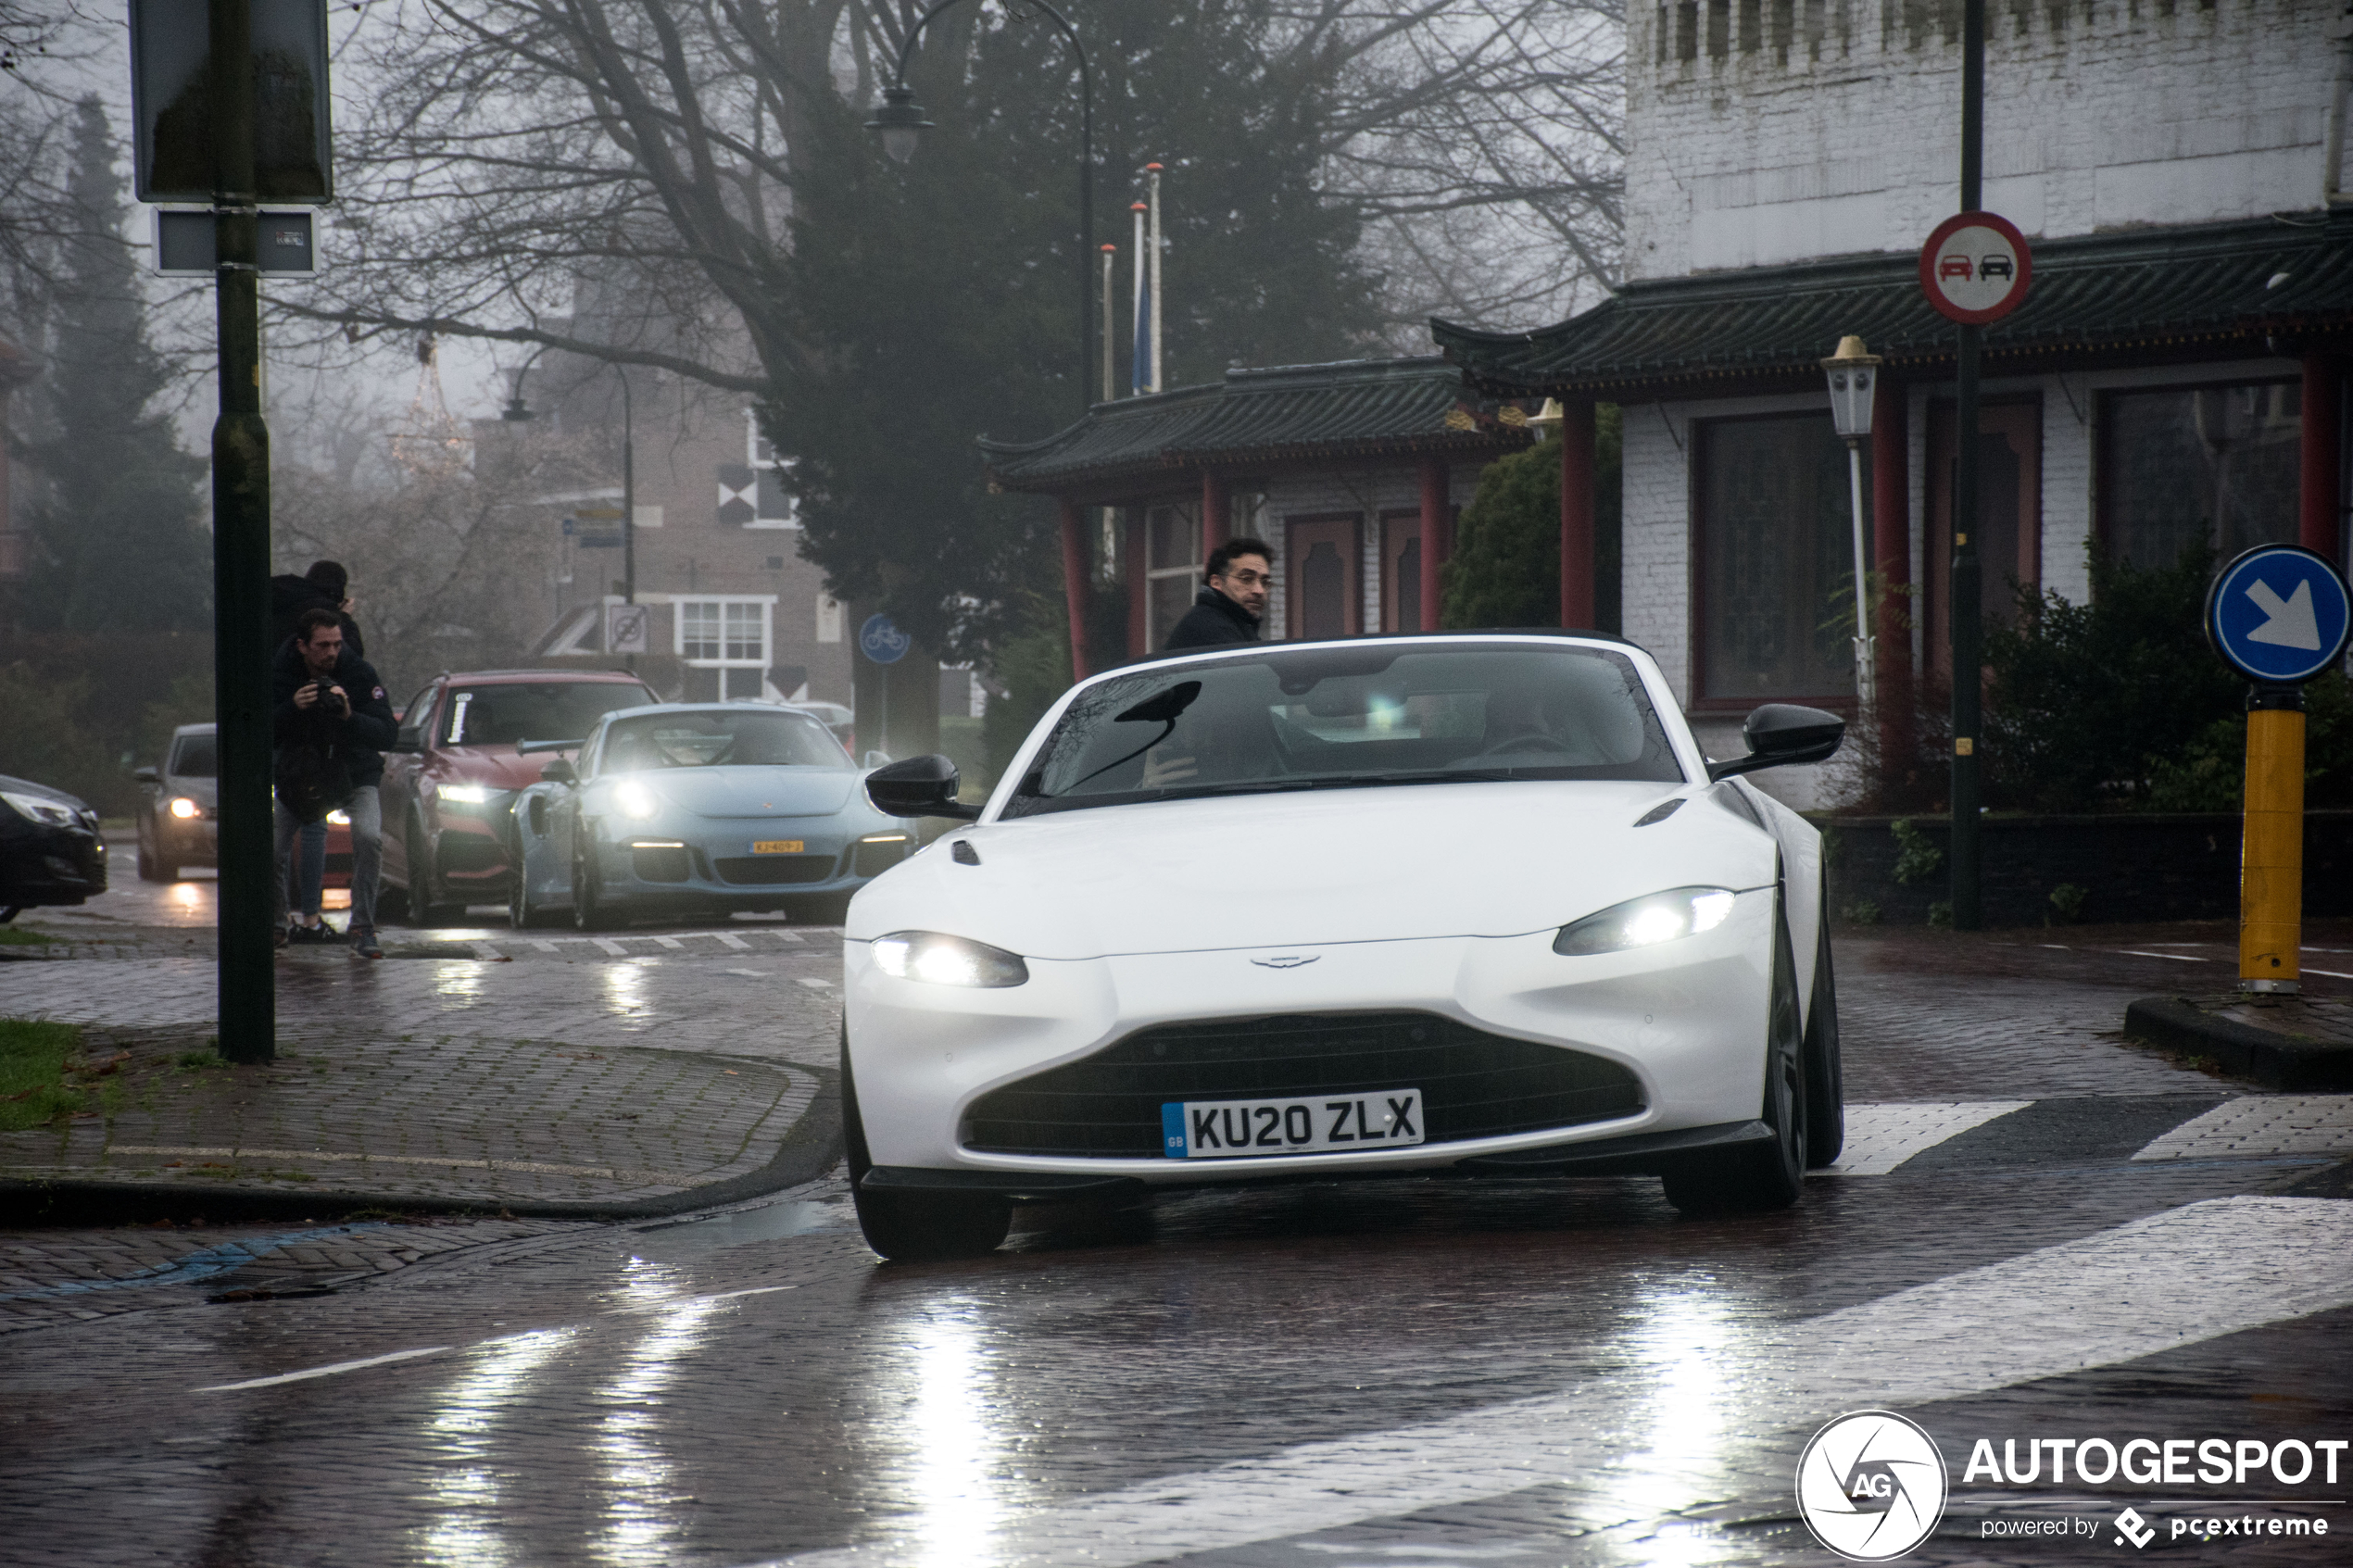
<point>881,641</point>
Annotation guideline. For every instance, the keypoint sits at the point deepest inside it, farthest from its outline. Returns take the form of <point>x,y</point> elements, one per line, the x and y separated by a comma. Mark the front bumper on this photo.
<point>50,866</point>
<point>656,867</point>
<point>1686,1019</point>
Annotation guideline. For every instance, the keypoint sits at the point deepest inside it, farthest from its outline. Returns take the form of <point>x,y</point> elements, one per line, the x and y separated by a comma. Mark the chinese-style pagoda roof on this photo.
<point>1355,408</point>
<point>2203,292</point>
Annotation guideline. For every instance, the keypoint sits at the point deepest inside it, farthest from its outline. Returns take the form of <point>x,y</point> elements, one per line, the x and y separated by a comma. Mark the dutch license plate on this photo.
<point>1231,1129</point>
<point>777,846</point>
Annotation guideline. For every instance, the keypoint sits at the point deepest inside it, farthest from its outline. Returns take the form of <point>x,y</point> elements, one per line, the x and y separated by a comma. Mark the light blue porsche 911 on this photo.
<point>685,808</point>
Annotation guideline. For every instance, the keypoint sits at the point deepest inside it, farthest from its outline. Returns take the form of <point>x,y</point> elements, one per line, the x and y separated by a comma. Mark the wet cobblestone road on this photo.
<point>2044,1233</point>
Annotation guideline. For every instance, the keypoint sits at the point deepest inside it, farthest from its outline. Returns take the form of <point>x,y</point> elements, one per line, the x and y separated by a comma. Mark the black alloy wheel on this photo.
<point>427,903</point>
<point>522,912</point>
<point>1825,1074</point>
<point>1760,1176</point>
<point>587,912</point>
<point>910,1228</point>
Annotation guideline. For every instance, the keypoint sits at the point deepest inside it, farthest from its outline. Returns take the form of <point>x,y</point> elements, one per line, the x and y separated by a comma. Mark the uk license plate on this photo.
<point>777,846</point>
<point>1240,1129</point>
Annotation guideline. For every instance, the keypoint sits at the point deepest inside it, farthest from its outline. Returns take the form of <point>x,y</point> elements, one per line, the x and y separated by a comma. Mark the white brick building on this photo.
<point>2175,373</point>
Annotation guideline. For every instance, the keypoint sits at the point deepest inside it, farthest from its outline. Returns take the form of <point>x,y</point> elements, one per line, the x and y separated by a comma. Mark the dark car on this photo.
<point>449,789</point>
<point>51,850</point>
<point>179,818</point>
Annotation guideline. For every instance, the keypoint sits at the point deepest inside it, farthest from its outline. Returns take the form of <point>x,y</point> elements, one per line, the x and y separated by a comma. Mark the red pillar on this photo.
<point>1577,515</point>
<point>1074,582</point>
<point>2322,477</point>
<point>1215,518</point>
<point>1438,537</point>
<point>1138,586</point>
<point>1892,557</point>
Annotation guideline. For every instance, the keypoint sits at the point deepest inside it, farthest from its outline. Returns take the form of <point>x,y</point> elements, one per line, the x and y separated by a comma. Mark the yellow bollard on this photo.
<point>2271,864</point>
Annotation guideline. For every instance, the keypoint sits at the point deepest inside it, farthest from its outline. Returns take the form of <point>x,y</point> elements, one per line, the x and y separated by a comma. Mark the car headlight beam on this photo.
<point>184,808</point>
<point>1647,921</point>
<point>635,800</point>
<point>465,794</point>
<point>940,960</point>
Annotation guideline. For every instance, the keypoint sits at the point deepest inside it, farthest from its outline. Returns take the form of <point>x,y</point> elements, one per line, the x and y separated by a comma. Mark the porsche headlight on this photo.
<point>946,960</point>
<point>635,800</point>
<point>1642,922</point>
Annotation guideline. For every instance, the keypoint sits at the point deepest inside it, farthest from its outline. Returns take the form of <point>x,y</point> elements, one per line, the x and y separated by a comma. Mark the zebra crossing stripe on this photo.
<point>2260,1124</point>
<point>1880,1138</point>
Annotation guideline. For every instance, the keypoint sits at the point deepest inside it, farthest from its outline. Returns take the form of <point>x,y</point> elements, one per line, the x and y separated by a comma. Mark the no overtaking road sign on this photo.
<point>2278,614</point>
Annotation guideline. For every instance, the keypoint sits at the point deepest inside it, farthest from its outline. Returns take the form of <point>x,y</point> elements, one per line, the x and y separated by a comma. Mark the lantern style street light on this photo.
<point>1854,374</point>
<point>900,123</point>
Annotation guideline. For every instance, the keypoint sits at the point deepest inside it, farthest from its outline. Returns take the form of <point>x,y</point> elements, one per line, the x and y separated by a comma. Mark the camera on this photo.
<point>329,702</point>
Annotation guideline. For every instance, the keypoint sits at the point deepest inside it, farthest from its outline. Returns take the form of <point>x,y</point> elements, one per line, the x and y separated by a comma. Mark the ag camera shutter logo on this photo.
<point>1870,1486</point>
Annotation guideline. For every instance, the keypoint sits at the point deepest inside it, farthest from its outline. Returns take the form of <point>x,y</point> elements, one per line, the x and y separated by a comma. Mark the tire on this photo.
<point>1825,1074</point>
<point>1760,1177</point>
<point>587,913</point>
<point>426,903</point>
<point>907,1227</point>
<point>152,870</point>
<point>522,913</point>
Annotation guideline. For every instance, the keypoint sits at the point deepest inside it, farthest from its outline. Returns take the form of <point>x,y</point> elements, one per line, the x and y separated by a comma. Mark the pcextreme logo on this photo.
<point>1870,1486</point>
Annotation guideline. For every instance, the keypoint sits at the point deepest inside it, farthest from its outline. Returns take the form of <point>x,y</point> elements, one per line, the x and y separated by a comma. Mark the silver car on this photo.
<point>178,821</point>
<point>685,808</point>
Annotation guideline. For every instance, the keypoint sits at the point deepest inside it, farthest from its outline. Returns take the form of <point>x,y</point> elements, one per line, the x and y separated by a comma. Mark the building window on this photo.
<point>728,635</point>
<point>1172,568</point>
<point>1776,559</point>
<point>2211,464</point>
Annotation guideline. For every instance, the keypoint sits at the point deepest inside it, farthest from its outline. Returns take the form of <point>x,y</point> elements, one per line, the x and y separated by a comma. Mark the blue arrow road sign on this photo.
<point>882,641</point>
<point>2278,614</point>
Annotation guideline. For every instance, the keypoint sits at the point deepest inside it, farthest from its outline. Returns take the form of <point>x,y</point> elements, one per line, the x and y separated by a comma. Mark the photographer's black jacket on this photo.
<point>361,737</point>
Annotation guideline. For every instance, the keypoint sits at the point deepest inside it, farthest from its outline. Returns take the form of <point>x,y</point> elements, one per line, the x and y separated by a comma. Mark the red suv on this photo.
<point>450,783</point>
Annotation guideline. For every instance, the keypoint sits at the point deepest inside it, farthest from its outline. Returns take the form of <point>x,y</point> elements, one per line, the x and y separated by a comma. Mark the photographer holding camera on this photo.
<point>329,718</point>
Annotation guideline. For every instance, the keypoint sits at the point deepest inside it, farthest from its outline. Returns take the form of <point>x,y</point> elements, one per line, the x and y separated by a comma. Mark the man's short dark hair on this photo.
<point>307,629</point>
<point>329,578</point>
<point>1223,556</point>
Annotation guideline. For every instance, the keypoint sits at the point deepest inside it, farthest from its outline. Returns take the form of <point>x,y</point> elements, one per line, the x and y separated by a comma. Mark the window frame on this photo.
<point>766,604</point>
<point>2104,486</point>
<point>1188,512</point>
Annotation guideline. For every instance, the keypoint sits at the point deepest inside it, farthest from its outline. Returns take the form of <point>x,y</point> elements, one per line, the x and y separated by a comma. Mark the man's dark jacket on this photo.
<point>1213,619</point>
<point>290,595</point>
<point>359,738</point>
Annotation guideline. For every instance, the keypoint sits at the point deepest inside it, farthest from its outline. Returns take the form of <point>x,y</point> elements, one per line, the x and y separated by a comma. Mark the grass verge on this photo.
<point>16,937</point>
<point>32,1073</point>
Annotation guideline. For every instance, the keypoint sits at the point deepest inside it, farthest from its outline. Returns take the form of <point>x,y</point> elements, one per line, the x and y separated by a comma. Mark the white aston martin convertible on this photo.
<point>1465,902</point>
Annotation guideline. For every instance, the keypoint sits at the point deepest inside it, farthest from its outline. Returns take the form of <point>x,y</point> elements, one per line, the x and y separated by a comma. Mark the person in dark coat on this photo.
<point>1232,602</point>
<point>325,586</point>
<point>327,703</point>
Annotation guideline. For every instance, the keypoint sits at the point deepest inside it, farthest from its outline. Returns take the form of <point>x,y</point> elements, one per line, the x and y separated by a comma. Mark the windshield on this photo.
<point>502,715</point>
<point>1338,717</point>
<point>722,737</point>
<point>191,758</point>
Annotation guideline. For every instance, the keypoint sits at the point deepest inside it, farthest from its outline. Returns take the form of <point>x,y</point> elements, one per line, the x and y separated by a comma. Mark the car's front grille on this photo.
<point>770,870</point>
<point>1474,1084</point>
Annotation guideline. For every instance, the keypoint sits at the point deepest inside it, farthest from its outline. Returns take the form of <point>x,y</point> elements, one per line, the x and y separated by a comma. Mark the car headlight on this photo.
<point>1642,922</point>
<point>947,960</point>
<point>464,795</point>
<point>635,800</point>
<point>184,808</point>
<point>38,809</point>
<point>339,816</point>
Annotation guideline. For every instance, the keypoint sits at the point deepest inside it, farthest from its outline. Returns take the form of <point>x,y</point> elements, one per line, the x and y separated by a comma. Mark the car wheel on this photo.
<point>587,912</point>
<point>523,913</point>
<point>428,902</point>
<point>152,868</point>
<point>914,1227</point>
<point>1825,1076</point>
<point>1760,1176</point>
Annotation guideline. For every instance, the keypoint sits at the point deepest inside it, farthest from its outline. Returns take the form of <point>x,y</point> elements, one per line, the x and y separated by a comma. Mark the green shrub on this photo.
<point>1918,857</point>
<point>1035,672</point>
<point>1506,570</point>
<point>2068,899</point>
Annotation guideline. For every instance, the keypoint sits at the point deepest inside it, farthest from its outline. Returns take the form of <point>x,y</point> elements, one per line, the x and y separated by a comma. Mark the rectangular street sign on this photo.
<point>171,86</point>
<point>184,235</point>
<point>625,629</point>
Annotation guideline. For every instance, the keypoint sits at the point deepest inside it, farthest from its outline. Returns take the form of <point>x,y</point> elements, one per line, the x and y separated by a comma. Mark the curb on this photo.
<point>2274,1058</point>
<point>811,1149</point>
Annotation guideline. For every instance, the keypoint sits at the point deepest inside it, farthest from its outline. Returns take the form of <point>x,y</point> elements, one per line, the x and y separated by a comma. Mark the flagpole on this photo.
<point>1139,363</point>
<point>1152,170</point>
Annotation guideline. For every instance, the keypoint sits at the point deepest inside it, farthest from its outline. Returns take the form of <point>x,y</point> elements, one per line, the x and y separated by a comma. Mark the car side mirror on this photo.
<point>560,771</point>
<point>146,775</point>
<point>1782,733</point>
<point>920,787</point>
<point>409,737</point>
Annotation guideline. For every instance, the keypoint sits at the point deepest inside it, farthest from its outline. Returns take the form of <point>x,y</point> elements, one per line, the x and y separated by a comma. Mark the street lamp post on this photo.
<point>1852,372</point>
<point>900,123</point>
